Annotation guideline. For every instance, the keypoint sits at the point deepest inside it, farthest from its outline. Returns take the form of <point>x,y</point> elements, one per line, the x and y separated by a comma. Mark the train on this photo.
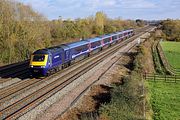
<point>44,62</point>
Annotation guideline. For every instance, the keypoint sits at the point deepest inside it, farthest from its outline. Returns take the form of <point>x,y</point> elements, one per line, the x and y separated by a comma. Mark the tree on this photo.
<point>171,29</point>
<point>100,20</point>
<point>21,31</point>
<point>140,22</point>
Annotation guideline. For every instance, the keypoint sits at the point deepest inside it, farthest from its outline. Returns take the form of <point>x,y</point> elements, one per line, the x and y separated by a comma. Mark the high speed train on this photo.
<point>46,61</point>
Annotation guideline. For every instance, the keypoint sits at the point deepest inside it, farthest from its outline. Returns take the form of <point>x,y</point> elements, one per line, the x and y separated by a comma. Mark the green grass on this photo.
<point>172,53</point>
<point>165,100</point>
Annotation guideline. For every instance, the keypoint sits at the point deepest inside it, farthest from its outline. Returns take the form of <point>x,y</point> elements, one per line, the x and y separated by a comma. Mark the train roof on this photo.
<point>49,50</point>
<point>93,39</point>
<point>41,51</point>
<point>112,34</point>
<point>104,36</point>
<point>64,47</point>
<point>76,44</point>
<point>54,48</point>
<point>128,30</point>
<point>123,31</point>
<point>119,32</point>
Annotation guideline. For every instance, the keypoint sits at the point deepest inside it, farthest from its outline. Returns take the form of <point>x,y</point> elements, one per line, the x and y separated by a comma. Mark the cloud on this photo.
<point>131,9</point>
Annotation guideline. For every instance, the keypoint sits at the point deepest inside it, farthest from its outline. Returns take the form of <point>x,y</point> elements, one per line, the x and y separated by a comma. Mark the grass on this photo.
<point>165,97</point>
<point>172,53</point>
<point>165,100</point>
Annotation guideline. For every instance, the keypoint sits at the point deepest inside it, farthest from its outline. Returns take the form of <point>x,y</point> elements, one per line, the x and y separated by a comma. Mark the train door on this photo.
<point>50,60</point>
<point>66,55</point>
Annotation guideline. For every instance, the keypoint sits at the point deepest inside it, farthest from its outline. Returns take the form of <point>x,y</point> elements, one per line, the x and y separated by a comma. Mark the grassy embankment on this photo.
<point>172,53</point>
<point>164,97</point>
<point>127,99</point>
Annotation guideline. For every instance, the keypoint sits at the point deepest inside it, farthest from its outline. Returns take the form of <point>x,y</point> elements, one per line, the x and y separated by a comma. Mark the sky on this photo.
<point>125,9</point>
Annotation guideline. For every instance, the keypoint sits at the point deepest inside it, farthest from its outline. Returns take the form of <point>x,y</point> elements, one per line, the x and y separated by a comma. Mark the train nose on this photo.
<point>38,71</point>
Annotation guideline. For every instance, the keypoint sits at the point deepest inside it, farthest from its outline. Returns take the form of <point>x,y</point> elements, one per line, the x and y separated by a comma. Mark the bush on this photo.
<point>126,102</point>
<point>171,29</point>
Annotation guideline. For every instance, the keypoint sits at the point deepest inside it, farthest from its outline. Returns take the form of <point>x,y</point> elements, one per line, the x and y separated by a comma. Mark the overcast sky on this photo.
<point>126,9</point>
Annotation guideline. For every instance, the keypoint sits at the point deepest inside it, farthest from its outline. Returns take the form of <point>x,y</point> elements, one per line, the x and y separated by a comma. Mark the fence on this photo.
<point>163,78</point>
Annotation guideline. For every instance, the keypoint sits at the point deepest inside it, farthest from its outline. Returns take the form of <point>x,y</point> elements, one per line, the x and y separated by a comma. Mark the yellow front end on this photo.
<point>38,62</point>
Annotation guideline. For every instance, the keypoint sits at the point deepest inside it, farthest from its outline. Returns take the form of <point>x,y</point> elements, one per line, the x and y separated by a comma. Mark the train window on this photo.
<point>80,49</point>
<point>50,60</point>
<point>85,47</point>
<point>94,44</point>
<point>120,35</point>
<point>114,37</point>
<point>67,54</point>
<point>38,58</point>
<point>106,40</point>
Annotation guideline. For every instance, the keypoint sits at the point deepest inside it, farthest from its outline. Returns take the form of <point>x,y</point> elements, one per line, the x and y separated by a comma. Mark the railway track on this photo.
<point>25,104</point>
<point>14,73</point>
<point>75,93</point>
<point>86,89</point>
<point>14,70</point>
<point>17,69</point>
<point>23,72</point>
<point>20,70</point>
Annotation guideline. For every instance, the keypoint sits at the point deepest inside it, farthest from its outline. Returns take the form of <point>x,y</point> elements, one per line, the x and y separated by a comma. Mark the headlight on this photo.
<point>31,66</point>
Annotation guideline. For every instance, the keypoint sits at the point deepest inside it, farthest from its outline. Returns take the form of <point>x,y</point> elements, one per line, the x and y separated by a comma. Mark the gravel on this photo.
<point>29,90</point>
<point>9,82</point>
<point>59,95</point>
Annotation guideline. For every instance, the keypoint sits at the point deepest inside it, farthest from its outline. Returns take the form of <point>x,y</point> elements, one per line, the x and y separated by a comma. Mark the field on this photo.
<point>172,52</point>
<point>165,100</point>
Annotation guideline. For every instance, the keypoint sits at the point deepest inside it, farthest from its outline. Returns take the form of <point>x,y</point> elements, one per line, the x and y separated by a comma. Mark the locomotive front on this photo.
<point>38,63</point>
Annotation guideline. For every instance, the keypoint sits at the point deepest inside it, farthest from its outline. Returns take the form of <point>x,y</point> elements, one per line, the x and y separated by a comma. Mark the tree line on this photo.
<point>23,30</point>
<point>171,30</point>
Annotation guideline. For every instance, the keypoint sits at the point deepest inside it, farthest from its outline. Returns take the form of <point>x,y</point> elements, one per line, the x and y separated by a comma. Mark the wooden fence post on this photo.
<point>165,77</point>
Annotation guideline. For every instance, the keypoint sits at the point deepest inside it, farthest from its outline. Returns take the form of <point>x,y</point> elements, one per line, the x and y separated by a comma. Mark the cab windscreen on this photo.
<point>38,58</point>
